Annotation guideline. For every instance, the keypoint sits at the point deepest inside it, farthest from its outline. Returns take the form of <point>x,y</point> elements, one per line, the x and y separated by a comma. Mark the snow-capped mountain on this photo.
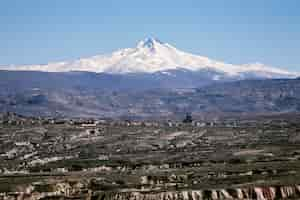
<point>153,56</point>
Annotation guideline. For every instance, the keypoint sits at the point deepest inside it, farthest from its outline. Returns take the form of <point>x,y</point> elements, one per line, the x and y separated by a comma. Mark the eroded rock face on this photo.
<point>81,191</point>
<point>259,193</point>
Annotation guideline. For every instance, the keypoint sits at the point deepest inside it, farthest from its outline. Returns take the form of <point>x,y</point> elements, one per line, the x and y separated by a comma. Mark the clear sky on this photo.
<point>234,31</point>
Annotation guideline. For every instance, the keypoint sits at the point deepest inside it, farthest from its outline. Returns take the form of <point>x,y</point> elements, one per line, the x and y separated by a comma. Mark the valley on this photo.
<point>232,158</point>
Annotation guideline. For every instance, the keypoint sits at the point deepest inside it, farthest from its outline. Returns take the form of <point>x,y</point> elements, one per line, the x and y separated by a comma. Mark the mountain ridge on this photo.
<point>152,55</point>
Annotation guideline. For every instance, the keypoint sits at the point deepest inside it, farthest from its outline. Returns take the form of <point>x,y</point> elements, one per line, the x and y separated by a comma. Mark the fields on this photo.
<point>236,158</point>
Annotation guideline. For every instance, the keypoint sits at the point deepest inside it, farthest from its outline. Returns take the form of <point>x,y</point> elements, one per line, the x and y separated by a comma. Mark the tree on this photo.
<point>188,118</point>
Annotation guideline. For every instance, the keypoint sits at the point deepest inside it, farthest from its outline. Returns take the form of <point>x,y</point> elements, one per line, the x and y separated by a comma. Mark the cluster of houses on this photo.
<point>15,119</point>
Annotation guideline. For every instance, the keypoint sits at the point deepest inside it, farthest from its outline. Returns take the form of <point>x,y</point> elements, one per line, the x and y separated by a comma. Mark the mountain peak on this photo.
<point>149,42</point>
<point>151,55</point>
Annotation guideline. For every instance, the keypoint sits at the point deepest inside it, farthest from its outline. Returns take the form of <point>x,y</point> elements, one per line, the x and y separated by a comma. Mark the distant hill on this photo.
<point>86,94</point>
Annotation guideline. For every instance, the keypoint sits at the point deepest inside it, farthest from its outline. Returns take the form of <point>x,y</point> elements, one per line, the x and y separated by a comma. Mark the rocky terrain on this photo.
<point>230,158</point>
<point>92,95</point>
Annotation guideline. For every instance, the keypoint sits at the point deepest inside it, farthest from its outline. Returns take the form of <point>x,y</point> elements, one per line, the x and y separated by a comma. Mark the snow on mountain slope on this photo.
<point>151,55</point>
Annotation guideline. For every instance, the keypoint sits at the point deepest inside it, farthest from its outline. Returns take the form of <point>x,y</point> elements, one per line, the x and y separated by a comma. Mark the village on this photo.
<point>234,158</point>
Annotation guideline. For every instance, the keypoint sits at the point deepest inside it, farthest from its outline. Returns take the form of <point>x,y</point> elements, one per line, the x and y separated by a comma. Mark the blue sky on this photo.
<point>234,31</point>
